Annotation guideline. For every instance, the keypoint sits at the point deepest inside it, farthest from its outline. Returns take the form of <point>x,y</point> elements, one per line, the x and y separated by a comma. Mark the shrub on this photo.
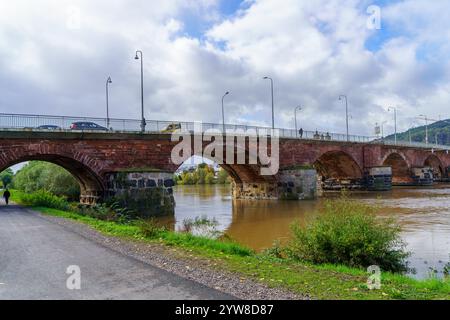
<point>104,211</point>
<point>201,226</point>
<point>43,198</point>
<point>349,233</point>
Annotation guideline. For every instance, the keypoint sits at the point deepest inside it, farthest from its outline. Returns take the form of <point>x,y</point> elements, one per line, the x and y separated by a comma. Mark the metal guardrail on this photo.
<point>31,122</point>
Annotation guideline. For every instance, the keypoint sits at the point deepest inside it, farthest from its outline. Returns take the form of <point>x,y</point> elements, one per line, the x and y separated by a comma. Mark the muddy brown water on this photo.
<point>424,215</point>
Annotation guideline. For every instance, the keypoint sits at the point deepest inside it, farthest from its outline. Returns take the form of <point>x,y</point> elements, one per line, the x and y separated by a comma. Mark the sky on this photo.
<point>55,57</point>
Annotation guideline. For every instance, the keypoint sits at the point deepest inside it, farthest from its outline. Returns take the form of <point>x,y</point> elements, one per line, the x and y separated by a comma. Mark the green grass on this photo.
<point>317,281</point>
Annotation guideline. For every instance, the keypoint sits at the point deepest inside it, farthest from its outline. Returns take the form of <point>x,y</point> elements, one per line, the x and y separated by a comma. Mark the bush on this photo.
<point>43,198</point>
<point>149,228</point>
<point>104,211</point>
<point>349,233</point>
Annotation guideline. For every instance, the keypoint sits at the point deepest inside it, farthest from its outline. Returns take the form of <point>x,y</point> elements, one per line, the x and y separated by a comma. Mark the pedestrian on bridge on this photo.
<point>6,195</point>
<point>301,133</point>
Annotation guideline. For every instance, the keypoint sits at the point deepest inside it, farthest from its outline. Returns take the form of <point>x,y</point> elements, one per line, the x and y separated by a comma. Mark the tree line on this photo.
<point>39,175</point>
<point>202,174</point>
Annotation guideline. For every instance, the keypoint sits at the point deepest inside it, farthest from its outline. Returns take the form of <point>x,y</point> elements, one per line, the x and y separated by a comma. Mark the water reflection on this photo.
<point>423,213</point>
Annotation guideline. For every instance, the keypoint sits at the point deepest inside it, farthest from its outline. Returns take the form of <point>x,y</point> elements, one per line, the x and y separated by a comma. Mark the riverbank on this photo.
<point>243,273</point>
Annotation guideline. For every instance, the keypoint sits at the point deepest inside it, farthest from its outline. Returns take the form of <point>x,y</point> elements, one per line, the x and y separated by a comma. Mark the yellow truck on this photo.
<point>172,128</point>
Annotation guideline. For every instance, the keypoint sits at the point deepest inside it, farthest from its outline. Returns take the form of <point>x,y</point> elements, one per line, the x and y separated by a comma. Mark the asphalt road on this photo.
<point>35,255</point>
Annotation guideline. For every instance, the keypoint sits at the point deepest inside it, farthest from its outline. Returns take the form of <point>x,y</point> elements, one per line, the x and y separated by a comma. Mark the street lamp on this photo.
<point>411,127</point>
<point>295,115</point>
<point>426,127</point>
<point>143,123</point>
<point>223,113</point>
<point>395,122</point>
<point>108,81</point>
<point>346,111</point>
<point>382,130</point>
<point>271,89</point>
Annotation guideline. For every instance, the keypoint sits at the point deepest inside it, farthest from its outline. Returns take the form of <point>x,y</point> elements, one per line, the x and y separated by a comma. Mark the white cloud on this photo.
<point>314,50</point>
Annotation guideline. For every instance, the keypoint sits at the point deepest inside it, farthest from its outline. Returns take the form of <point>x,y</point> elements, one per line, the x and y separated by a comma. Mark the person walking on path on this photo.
<point>6,195</point>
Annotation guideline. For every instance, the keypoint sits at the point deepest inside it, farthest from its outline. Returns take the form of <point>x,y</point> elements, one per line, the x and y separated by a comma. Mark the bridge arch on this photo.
<point>401,171</point>
<point>337,165</point>
<point>91,185</point>
<point>240,173</point>
<point>434,162</point>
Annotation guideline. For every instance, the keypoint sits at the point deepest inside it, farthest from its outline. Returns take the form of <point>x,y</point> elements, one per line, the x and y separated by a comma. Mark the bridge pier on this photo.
<point>378,178</point>
<point>291,184</point>
<point>422,176</point>
<point>147,193</point>
<point>90,197</point>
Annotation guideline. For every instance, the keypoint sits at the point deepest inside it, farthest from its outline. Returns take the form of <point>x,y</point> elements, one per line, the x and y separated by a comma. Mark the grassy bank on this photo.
<point>318,281</point>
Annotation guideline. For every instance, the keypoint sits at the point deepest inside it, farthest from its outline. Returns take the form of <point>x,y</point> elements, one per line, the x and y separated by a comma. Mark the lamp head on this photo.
<point>136,57</point>
<point>226,93</point>
<point>109,80</point>
<point>265,78</point>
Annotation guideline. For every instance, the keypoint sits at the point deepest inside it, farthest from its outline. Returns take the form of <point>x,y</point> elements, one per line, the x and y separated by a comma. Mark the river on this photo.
<point>424,215</point>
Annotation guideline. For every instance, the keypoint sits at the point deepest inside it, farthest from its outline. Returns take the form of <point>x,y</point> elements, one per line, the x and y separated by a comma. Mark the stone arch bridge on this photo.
<point>130,164</point>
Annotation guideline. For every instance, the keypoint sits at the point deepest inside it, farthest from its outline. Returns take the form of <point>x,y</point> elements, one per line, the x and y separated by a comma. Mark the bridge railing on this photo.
<point>31,122</point>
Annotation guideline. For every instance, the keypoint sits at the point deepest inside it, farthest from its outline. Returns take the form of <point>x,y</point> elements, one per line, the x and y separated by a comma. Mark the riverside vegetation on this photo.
<point>326,259</point>
<point>203,174</point>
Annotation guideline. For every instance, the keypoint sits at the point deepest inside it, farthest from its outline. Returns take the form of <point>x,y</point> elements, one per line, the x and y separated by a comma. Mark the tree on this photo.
<point>203,174</point>
<point>6,177</point>
<point>223,177</point>
<point>209,178</point>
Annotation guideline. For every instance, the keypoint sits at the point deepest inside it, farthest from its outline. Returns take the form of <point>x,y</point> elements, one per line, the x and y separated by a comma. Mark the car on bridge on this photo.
<point>84,125</point>
<point>48,127</point>
<point>172,128</point>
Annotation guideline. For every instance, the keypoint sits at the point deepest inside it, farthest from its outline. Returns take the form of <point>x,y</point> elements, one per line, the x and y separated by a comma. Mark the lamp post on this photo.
<point>411,127</point>
<point>271,90</point>
<point>346,111</point>
<point>108,81</point>
<point>395,122</point>
<point>382,129</point>
<point>223,112</point>
<point>426,127</point>
<point>295,115</point>
<point>143,123</point>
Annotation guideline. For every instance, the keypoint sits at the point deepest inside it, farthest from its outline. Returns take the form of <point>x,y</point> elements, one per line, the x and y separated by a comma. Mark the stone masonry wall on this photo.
<point>298,184</point>
<point>147,193</point>
<point>295,184</point>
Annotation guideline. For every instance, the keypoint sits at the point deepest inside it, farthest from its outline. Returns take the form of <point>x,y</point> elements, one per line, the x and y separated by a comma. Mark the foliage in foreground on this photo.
<point>41,198</point>
<point>325,281</point>
<point>349,233</point>
<point>319,281</point>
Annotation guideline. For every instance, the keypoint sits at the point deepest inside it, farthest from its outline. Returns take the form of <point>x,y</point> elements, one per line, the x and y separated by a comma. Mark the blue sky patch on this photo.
<point>196,26</point>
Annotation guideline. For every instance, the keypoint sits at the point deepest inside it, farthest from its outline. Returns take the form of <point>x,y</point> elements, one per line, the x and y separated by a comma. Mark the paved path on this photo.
<point>35,253</point>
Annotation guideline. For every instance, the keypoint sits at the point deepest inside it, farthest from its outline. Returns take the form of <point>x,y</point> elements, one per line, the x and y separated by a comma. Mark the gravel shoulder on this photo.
<point>176,261</point>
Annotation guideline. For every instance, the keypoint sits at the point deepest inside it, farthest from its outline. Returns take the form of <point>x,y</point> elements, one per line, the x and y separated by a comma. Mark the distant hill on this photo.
<point>439,130</point>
